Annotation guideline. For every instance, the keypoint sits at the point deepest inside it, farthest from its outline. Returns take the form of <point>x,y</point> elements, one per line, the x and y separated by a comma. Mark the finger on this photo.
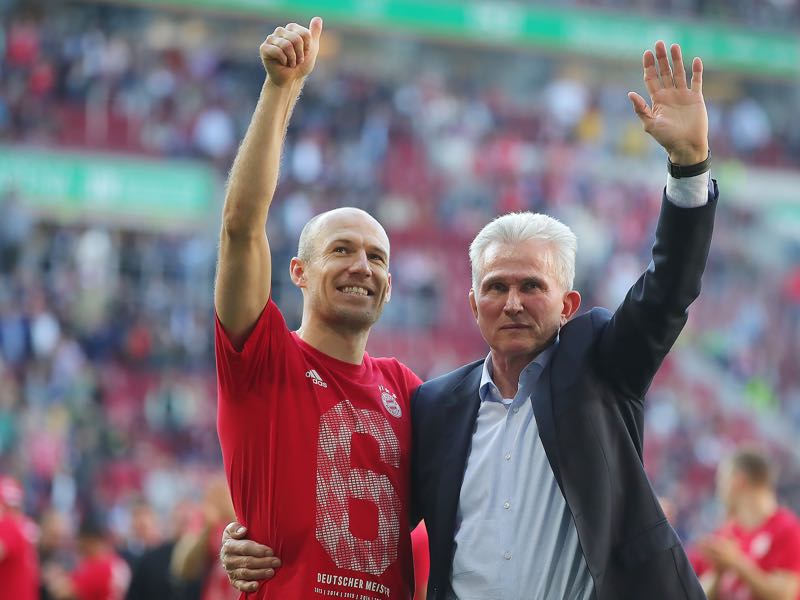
<point>678,70</point>
<point>234,530</point>
<point>271,52</point>
<point>640,107</point>
<point>247,548</point>
<point>651,80</point>
<point>245,586</point>
<point>303,32</point>
<point>297,43</point>
<point>663,64</point>
<point>252,574</point>
<point>276,39</point>
<point>234,563</point>
<point>697,75</point>
<point>316,28</point>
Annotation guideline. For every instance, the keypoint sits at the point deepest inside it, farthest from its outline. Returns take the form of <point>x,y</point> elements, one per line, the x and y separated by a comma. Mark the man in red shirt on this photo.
<point>756,553</point>
<point>101,574</point>
<point>315,433</point>
<point>19,570</point>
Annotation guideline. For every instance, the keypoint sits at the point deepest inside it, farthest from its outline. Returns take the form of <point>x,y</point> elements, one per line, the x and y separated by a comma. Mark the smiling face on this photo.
<point>518,303</point>
<point>345,279</point>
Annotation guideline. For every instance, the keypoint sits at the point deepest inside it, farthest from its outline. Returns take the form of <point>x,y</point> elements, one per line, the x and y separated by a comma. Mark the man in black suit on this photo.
<point>527,465</point>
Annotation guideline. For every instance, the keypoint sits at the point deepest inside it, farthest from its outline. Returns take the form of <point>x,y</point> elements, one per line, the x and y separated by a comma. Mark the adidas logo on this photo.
<point>315,378</point>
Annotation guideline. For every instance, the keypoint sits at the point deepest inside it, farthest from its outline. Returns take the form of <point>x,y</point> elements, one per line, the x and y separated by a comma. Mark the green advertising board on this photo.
<point>169,193</point>
<point>600,33</point>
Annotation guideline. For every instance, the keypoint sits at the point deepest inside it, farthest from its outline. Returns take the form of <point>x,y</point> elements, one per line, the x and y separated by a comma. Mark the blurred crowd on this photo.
<point>107,395</point>
<point>782,14</point>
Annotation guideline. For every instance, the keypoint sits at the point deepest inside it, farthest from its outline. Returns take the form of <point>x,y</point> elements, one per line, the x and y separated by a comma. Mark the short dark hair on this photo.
<point>756,466</point>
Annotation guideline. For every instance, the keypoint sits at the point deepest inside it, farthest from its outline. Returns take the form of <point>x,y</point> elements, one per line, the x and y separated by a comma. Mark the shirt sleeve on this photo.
<point>689,192</point>
<point>240,370</point>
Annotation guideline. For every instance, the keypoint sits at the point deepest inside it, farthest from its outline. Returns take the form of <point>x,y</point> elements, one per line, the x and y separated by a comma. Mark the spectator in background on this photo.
<point>756,553</point>
<point>19,571</point>
<point>144,534</point>
<point>196,552</point>
<point>100,575</point>
<point>152,575</point>
<point>55,545</point>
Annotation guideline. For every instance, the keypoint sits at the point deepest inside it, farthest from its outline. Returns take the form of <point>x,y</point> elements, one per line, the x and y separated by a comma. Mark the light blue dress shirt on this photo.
<point>515,538</point>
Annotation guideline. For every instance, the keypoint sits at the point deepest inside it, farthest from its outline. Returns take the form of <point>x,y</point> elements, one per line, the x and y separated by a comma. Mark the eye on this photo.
<point>340,250</point>
<point>376,258</point>
<point>496,287</point>
<point>530,286</point>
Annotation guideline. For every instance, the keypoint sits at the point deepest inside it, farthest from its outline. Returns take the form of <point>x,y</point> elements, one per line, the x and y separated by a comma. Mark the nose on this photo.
<point>513,303</point>
<point>360,264</point>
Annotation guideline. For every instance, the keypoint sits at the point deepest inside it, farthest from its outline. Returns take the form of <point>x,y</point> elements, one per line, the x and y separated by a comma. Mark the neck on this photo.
<point>506,371</point>
<point>753,510</point>
<point>341,343</point>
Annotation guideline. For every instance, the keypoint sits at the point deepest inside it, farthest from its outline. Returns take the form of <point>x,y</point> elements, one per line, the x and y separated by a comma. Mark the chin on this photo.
<point>355,318</point>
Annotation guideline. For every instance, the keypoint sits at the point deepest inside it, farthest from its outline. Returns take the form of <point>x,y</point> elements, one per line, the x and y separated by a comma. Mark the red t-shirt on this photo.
<point>216,585</point>
<point>773,546</point>
<point>422,560</point>
<point>102,577</point>
<point>19,570</point>
<point>317,454</point>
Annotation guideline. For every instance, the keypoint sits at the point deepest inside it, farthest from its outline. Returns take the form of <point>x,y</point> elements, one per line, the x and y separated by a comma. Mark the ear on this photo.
<point>473,304</point>
<point>297,271</point>
<point>571,304</point>
<point>388,286</point>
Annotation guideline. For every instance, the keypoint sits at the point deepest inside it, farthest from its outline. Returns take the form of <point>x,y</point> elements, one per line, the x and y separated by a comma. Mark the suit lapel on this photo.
<point>460,413</point>
<point>545,420</point>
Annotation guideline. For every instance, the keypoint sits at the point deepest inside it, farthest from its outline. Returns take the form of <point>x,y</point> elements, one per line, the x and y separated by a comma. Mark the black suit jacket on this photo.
<point>588,406</point>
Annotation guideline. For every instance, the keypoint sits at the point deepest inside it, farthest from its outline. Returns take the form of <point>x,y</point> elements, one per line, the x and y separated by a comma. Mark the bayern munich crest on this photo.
<point>390,402</point>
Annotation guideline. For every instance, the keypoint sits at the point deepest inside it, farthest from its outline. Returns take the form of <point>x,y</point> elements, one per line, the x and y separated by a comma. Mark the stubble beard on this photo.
<point>349,321</point>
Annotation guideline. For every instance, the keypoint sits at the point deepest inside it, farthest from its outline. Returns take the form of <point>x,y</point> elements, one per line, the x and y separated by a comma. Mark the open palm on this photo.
<point>677,118</point>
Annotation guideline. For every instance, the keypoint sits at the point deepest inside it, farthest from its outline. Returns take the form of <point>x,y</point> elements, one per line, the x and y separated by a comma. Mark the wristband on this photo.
<point>679,171</point>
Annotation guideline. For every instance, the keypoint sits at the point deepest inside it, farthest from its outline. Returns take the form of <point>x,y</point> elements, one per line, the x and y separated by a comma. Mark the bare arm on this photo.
<point>244,270</point>
<point>775,585</point>
<point>190,555</point>
<point>726,555</point>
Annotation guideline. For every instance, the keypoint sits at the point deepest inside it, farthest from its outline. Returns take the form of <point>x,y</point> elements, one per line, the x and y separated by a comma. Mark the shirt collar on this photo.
<point>527,379</point>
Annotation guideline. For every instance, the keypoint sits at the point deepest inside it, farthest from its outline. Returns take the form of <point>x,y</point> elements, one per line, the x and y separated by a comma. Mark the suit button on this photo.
<point>507,555</point>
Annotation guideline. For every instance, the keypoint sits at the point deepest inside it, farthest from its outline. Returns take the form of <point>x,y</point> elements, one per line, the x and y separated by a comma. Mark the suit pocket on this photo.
<point>658,538</point>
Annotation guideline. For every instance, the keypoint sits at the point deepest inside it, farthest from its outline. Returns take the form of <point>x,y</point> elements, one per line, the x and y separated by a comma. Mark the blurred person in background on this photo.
<point>56,545</point>
<point>525,506</point>
<point>144,533</point>
<point>315,433</point>
<point>19,569</point>
<point>101,574</point>
<point>153,576</point>
<point>196,551</point>
<point>755,554</point>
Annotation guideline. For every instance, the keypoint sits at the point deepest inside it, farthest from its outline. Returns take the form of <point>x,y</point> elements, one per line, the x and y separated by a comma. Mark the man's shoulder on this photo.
<point>586,323</point>
<point>449,380</point>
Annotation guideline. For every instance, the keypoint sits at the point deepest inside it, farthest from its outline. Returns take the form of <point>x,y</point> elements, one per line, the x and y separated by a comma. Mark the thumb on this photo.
<point>316,28</point>
<point>640,107</point>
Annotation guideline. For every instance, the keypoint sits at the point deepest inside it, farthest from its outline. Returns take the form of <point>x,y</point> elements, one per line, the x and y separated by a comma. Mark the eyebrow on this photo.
<point>371,248</point>
<point>504,279</point>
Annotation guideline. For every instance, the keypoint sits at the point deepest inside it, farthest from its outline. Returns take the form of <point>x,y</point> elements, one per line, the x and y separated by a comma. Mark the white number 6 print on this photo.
<point>337,482</point>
